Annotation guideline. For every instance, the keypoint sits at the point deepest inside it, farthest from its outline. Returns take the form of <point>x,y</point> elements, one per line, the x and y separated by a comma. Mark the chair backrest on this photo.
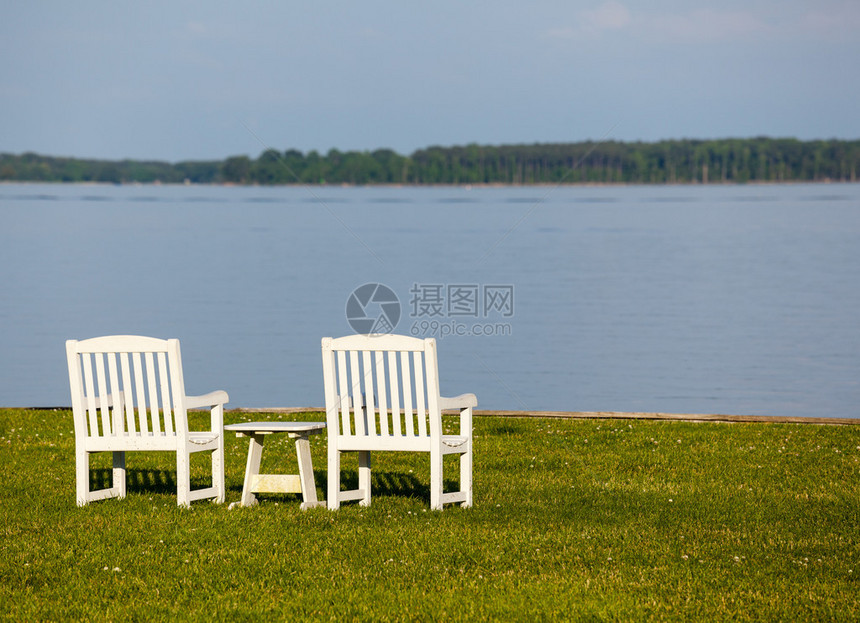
<point>126,385</point>
<point>381,386</point>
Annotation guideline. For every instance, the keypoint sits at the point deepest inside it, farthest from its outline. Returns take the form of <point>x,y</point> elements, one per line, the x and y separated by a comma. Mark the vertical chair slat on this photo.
<point>92,412</point>
<point>177,398</point>
<point>165,393</point>
<point>154,403</point>
<point>102,393</point>
<point>406,387</point>
<point>397,429</point>
<point>344,398</point>
<point>420,406</point>
<point>369,403</point>
<point>128,394</point>
<point>355,393</point>
<point>118,428</point>
<point>140,395</point>
<point>381,393</point>
<point>432,372</point>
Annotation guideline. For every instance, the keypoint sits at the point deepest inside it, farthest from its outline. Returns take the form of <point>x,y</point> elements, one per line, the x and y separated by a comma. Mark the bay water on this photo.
<point>680,299</point>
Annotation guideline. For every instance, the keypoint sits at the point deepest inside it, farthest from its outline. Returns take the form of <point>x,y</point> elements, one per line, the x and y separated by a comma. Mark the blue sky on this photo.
<point>206,80</point>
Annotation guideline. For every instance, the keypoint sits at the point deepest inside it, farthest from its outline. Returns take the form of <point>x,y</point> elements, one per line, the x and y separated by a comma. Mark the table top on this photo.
<point>277,427</point>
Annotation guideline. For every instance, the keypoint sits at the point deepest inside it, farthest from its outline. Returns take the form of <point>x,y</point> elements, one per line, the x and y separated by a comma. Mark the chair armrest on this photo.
<point>211,399</point>
<point>463,401</point>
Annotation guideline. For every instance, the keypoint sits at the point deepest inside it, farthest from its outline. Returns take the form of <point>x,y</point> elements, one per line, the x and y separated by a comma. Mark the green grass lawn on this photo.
<point>573,519</point>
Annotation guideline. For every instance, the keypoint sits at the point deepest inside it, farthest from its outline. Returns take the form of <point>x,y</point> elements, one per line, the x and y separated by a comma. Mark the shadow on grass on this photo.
<point>506,428</point>
<point>144,480</point>
<point>388,484</point>
<point>383,483</point>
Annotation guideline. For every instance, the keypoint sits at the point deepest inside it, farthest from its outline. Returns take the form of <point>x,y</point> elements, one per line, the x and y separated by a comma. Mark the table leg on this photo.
<point>255,452</point>
<point>306,473</point>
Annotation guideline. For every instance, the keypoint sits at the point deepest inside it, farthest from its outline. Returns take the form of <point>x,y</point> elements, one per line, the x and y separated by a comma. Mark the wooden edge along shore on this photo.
<point>578,415</point>
<point>609,415</point>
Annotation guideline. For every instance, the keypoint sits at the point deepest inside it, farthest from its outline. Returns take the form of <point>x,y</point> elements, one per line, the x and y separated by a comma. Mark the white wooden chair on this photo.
<point>382,393</point>
<point>128,394</point>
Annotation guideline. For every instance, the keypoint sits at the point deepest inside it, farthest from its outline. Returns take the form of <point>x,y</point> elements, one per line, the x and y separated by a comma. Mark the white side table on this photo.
<point>255,482</point>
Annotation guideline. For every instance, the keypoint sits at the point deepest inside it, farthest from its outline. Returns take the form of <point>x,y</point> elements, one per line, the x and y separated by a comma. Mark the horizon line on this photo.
<point>429,147</point>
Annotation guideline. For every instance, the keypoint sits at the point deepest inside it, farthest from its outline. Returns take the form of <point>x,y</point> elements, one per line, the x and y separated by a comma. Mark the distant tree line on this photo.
<point>666,162</point>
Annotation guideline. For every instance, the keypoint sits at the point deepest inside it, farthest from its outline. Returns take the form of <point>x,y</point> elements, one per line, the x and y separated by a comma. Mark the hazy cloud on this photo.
<point>610,15</point>
<point>835,21</point>
<point>705,24</point>
<point>708,25</point>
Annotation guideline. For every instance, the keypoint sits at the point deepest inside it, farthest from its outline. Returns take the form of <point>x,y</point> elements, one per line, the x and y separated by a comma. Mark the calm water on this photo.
<point>742,299</point>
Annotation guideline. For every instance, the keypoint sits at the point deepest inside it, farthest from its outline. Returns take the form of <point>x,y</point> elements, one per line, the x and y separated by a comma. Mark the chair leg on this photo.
<point>82,477</point>
<point>364,476</point>
<point>183,478</point>
<point>218,472</point>
<point>435,480</point>
<point>217,424</point>
<point>119,480</point>
<point>333,484</point>
<point>466,476</point>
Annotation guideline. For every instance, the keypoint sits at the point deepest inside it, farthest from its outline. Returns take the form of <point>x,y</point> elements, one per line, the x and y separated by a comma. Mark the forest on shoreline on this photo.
<point>760,159</point>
